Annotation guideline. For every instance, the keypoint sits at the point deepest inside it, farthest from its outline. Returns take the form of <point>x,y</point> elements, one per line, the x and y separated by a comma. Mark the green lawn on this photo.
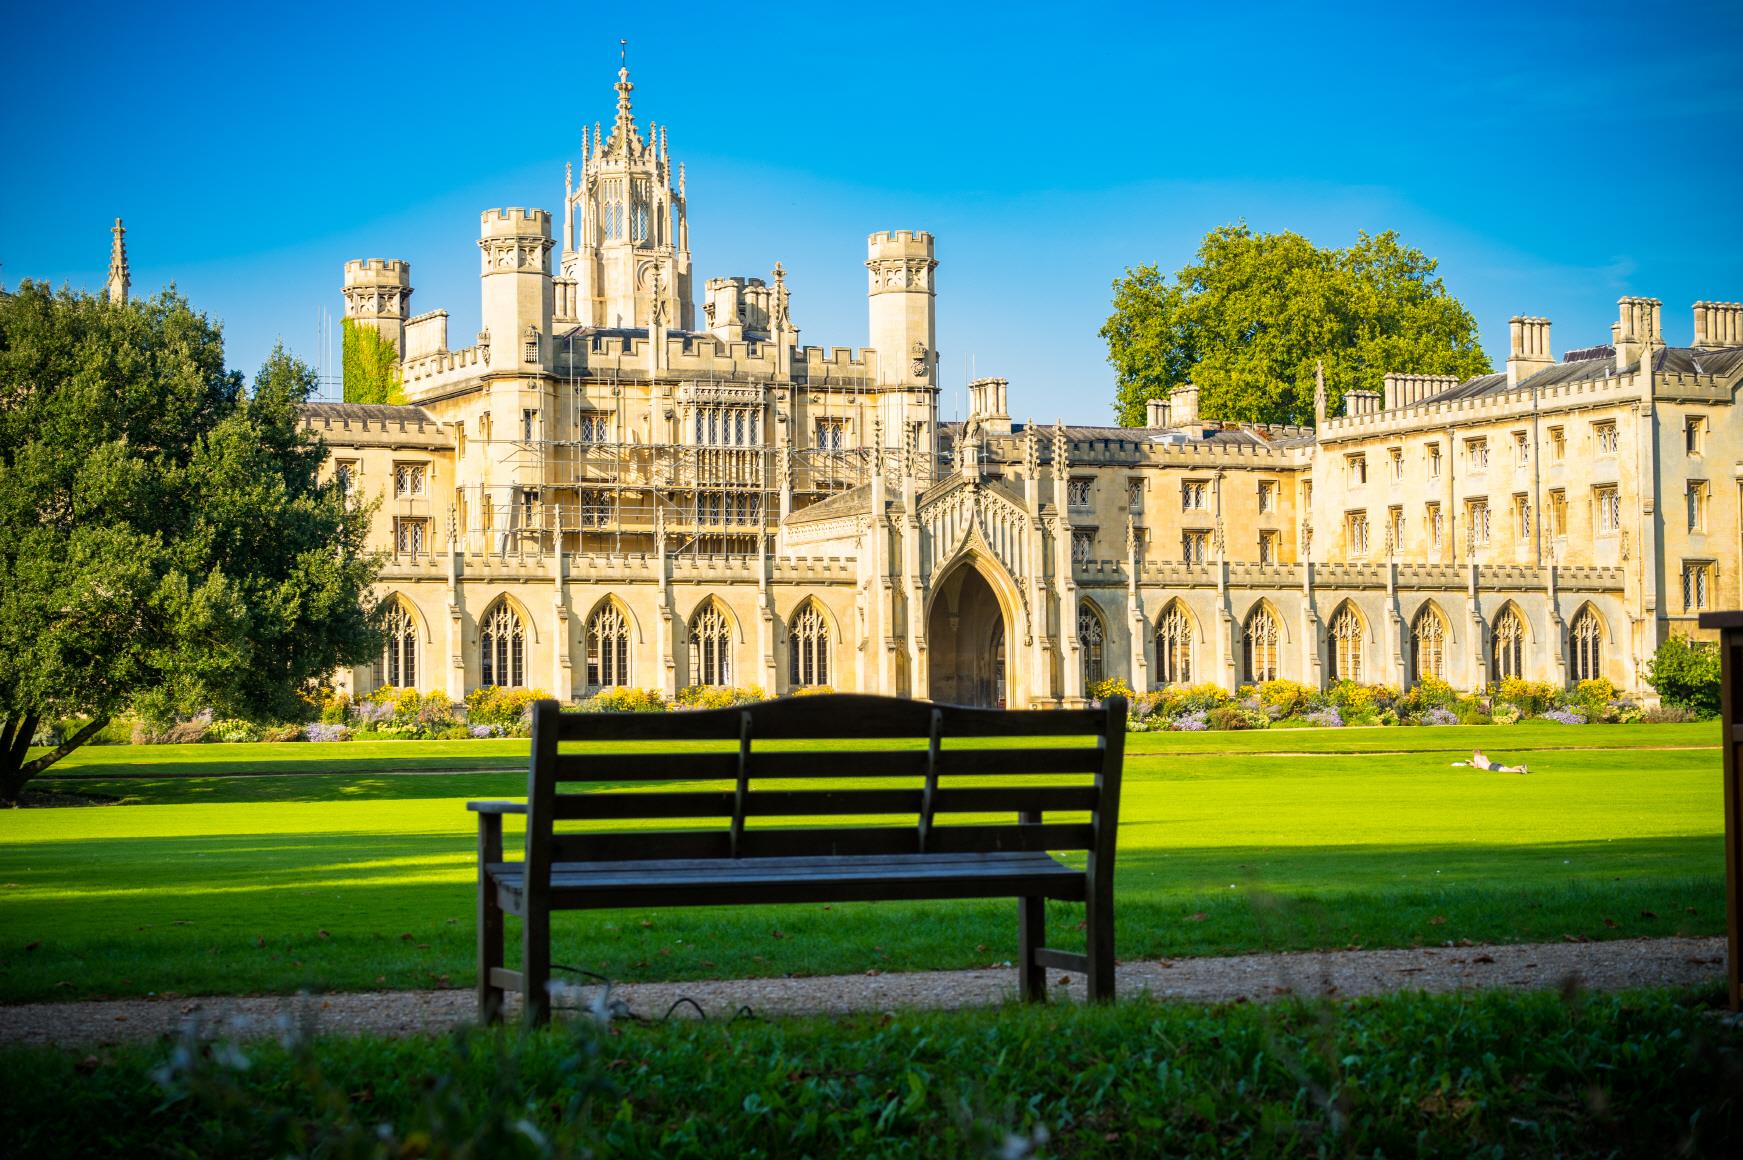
<point>320,870</point>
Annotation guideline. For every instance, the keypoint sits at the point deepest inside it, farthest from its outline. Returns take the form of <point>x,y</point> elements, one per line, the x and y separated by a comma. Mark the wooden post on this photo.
<point>1730,626</point>
<point>536,907</point>
<point>490,940</point>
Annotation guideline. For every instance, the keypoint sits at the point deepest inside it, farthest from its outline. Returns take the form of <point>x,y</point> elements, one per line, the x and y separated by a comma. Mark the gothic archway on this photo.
<point>966,642</point>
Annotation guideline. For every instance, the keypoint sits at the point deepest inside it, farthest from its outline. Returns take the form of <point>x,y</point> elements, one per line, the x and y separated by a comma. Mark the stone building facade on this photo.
<point>606,489</point>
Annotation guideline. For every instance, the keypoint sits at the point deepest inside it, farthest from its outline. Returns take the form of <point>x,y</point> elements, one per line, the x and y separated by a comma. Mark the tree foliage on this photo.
<point>165,542</point>
<point>1248,320</point>
<point>371,365</point>
<point>1686,674</point>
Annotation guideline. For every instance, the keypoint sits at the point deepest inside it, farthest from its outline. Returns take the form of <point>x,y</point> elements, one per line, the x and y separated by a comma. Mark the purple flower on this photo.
<point>1565,717</point>
<point>482,731</point>
<point>320,731</point>
<point>1326,718</point>
<point>1439,716</point>
<point>1192,722</point>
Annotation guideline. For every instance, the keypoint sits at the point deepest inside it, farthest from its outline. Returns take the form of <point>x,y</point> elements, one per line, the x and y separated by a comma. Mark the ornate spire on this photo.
<point>779,297</point>
<point>119,279</point>
<point>624,134</point>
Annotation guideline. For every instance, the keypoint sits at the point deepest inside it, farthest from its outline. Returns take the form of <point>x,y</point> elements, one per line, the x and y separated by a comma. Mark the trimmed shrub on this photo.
<point>232,730</point>
<point>1237,717</point>
<point>1112,687</point>
<point>623,700</point>
<point>1531,698</point>
<point>1283,698</point>
<point>716,697</point>
<point>1428,693</point>
<point>495,705</point>
<point>1686,674</point>
<point>1356,702</point>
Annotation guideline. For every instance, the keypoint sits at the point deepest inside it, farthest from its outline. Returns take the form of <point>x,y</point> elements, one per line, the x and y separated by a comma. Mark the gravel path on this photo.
<point>1603,966</point>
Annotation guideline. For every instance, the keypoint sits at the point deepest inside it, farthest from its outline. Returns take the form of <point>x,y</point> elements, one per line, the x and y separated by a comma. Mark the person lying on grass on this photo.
<point>1480,760</point>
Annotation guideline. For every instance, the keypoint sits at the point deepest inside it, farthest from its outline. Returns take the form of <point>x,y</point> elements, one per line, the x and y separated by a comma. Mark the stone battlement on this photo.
<point>378,272</point>
<point>901,238</point>
<point>514,222</point>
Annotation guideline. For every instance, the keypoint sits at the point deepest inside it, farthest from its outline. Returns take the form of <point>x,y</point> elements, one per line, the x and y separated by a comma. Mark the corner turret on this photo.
<point>515,246</point>
<point>378,295</point>
<point>903,308</point>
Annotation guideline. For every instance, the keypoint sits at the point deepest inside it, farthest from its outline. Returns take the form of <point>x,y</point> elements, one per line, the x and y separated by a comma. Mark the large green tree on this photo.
<point>1249,319</point>
<point>165,541</point>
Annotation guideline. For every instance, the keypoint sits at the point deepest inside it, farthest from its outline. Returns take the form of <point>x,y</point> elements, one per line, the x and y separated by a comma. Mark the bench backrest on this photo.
<point>580,774</point>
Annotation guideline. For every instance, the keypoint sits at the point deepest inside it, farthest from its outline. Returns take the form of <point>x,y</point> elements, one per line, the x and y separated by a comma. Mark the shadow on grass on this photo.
<point>239,913</point>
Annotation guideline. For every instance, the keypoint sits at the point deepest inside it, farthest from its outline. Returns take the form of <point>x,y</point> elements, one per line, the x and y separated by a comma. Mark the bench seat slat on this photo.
<point>843,841</point>
<point>728,881</point>
<point>820,802</point>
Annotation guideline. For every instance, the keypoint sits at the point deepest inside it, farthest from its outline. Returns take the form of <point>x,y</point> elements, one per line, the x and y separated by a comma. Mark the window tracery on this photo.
<point>608,647</point>
<point>502,648</point>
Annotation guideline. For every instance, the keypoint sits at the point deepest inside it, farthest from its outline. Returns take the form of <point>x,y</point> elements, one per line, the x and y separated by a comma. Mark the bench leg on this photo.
<point>535,960</point>
<point>1099,943</point>
<point>489,919</point>
<point>489,953</point>
<point>1031,937</point>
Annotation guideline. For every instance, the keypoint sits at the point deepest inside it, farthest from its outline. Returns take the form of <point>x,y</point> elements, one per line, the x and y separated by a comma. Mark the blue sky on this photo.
<point>1553,157</point>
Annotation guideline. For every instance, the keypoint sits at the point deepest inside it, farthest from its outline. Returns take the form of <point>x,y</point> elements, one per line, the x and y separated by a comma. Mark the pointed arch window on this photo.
<point>1174,647</point>
<point>399,654</point>
<point>711,647</point>
<point>1260,646</point>
<point>502,648</point>
<point>608,647</point>
<point>1509,645</point>
<point>1428,646</point>
<point>1346,645</point>
<point>1093,639</point>
<point>808,649</point>
<point>1584,637</point>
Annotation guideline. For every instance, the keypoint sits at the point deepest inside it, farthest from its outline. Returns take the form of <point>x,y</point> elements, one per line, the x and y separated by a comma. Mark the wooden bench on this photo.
<point>748,849</point>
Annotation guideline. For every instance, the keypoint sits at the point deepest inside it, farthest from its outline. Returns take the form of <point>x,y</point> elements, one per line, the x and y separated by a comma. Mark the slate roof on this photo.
<point>853,501</point>
<point>1213,432</point>
<point>1673,359</point>
<point>377,412</point>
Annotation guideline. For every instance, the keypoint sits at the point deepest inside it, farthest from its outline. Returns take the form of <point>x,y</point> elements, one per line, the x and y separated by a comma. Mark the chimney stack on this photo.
<point>1408,390</point>
<point>1637,327</point>
<point>1155,412</point>
<point>1530,351</point>
<point>1183,406</point>
<point>986,403</point>
<point>1718,324</point>
<point>1361,403</point>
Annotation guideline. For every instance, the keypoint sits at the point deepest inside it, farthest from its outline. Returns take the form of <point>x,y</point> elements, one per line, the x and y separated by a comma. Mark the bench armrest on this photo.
<point>497,807</point>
